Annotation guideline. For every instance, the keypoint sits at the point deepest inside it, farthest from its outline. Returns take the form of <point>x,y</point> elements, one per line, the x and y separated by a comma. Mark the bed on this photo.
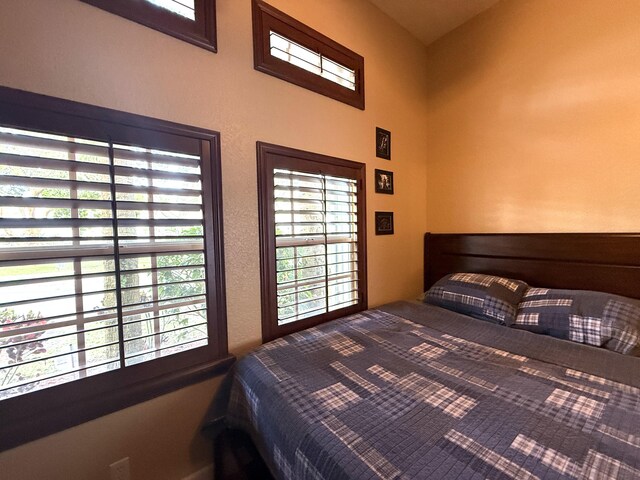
<point>411,390</point>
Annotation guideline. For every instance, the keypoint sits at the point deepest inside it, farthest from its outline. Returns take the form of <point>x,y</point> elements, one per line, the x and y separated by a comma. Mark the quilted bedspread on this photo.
<point>411,391</point>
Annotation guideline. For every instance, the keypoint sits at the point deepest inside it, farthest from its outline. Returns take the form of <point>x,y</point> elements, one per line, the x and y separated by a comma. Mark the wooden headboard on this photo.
<point>608,262</point>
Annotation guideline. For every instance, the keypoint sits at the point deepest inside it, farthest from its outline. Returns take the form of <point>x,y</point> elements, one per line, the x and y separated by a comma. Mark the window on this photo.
<point>288,49</point>
<point>290,52</point>
<point>111,275</point>
<point>193,21</point>
<point>313,239</point>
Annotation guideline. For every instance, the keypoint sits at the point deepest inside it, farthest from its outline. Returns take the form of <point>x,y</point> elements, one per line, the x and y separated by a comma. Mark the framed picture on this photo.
<point>384,223</point>
<point>384,181</point>
<point>383,143</point>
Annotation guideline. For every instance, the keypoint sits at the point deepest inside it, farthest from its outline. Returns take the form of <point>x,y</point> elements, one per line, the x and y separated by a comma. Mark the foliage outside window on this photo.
<point>110,260</point>
<point>313,247</point>
<point>193,21</point>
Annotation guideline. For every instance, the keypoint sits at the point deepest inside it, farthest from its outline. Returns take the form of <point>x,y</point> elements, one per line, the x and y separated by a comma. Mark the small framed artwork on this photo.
<point>384,223</point>
<point>384,181</point>
<point>383,143</point>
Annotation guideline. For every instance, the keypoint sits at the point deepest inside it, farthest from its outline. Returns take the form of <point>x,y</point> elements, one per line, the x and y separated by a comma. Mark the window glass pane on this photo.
<point>316,259</point>
<point>338,73</point>
<point>191,21</point>
<point>184,8</point>
<point>295,54</point>
<point>50,334</point>
<point>56,247</point>
<point>291,52</point>
<point>163,279</point>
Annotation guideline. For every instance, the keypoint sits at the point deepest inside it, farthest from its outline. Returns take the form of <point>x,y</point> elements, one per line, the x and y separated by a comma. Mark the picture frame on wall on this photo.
<point>384,223</point>
<point>384,181</point>
<point>383,143</point>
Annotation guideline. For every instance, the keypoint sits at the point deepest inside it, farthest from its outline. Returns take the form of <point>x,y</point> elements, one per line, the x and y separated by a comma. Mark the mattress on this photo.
<point>411,391</point>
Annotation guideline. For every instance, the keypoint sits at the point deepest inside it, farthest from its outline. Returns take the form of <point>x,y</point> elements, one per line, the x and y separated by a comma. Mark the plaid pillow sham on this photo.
<point>485,297</point>
<point>592,318</point>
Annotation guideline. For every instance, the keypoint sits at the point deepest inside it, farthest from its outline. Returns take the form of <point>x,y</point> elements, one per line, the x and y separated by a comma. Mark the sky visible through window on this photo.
<point>184,8</point>
<point>316,244</point>
<point>302,57</point>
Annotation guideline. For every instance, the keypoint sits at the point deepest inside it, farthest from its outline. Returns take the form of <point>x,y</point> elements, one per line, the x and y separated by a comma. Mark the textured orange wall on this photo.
<point>69,49</point>
<point>534,119</point>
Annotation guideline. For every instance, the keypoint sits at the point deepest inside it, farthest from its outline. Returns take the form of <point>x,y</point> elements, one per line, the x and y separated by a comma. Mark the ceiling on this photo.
<point>428,20</point>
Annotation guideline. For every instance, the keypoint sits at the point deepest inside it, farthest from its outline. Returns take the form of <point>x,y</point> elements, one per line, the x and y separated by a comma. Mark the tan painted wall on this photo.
<point>533,119</point>
<point>68,49</point>
<point>160,437</point>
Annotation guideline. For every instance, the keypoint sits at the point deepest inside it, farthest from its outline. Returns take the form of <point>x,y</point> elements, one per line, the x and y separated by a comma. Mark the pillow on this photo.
<point>485,297</point>
<point>594,318</point>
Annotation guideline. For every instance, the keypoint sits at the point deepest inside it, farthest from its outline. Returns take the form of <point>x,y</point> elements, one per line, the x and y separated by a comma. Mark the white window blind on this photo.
<point>316,244</point>
<point>291,52</point>
<point>101,258</point>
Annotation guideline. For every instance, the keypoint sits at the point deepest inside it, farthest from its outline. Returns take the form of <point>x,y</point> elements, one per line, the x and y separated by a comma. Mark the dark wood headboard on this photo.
<point>608,262</point>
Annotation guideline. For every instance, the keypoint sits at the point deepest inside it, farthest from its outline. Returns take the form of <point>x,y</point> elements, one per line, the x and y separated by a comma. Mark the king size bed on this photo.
<point>529,382</point>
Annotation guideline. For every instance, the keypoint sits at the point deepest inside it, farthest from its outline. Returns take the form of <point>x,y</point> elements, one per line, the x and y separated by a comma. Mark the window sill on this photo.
<point>17,431</point>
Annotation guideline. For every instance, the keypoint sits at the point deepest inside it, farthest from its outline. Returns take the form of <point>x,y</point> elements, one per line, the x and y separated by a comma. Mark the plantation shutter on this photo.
<point>291,52</point>
<point>316,244</point>
<point>313,238</point>
<point>102,256</point>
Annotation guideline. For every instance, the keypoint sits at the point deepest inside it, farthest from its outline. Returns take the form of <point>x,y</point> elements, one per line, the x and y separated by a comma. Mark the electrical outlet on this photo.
<point>120,470</point>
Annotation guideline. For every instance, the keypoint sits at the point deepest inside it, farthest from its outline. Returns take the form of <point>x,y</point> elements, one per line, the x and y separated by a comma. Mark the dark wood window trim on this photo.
<point>200,32</point>
<point>267,19</point>
<point>36,414</point>
<point>272,157</point>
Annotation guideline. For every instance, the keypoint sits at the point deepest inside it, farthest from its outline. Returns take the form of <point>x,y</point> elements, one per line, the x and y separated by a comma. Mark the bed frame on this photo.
<point>588,261</point>
<point>608,262</point>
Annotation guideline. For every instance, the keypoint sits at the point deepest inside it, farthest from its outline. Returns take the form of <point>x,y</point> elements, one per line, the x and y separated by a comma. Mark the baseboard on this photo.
<point>205,473</point>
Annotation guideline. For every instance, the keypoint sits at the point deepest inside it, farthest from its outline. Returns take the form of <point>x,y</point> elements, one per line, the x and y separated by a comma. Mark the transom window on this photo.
<point>312,218</point>
<point>109,262</point>
<point>291,51</point>
<point>185,8</point>
<point>193,21</point>
<point>311,61</point>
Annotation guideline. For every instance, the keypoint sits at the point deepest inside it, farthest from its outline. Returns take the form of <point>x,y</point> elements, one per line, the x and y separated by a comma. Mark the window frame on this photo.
<point>267,18</point>
<point>202,32</point>
<point>270,157</point>
<point>36,414</point>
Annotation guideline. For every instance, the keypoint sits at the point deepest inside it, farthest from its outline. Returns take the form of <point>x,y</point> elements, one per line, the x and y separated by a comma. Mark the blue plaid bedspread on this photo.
<point>411,391</point>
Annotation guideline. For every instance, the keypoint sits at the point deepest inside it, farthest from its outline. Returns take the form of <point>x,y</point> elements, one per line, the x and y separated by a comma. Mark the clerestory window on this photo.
<point>292,51</point>
<point>193,21</point>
